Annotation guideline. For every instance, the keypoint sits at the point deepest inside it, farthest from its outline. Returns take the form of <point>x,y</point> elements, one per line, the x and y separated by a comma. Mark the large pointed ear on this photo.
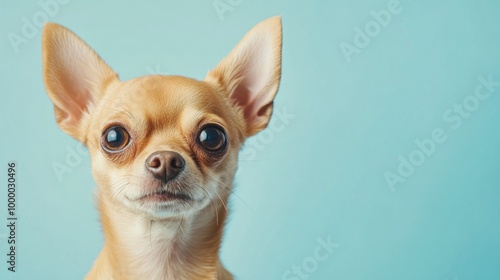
<point>74,76</point>
<point>250,74</point>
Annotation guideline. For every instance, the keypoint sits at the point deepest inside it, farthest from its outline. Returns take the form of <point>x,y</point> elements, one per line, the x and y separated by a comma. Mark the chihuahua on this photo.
<point>164,149</point>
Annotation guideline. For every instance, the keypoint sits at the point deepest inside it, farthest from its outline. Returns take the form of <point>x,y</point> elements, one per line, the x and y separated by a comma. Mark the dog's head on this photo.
<point>163,146</point>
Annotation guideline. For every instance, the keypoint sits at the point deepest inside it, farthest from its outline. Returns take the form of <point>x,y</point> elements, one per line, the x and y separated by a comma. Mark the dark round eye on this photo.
<point>115,139</point>
<point>212,138</point>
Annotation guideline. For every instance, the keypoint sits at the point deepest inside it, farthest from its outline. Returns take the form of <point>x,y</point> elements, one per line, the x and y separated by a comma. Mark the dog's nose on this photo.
<point>165,165</point>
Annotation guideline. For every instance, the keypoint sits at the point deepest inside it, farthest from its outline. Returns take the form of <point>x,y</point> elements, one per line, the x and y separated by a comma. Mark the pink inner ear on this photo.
<point>252,93</point>
<point>78,101</point>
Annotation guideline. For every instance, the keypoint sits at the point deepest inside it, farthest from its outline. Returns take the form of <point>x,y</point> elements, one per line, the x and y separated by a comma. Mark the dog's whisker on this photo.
<point>119,190</point>
<point>221,200</point>
<point>216,212</point>
<point>180,226</point>
<point>212,204</point>
<point>233,193</point>
<point>150,225</point>
<point>121,106</point>
<point>238,197</point>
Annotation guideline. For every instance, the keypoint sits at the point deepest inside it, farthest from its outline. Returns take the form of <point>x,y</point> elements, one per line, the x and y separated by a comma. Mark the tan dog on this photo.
<point>164,149</point>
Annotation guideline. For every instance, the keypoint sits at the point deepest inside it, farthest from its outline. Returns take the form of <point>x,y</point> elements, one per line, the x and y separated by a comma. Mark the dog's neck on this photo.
<point>137,247</point>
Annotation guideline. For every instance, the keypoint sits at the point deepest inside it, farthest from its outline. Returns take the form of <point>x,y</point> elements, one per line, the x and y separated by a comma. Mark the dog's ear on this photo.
<point>250,74</point>
<point>74,76</point>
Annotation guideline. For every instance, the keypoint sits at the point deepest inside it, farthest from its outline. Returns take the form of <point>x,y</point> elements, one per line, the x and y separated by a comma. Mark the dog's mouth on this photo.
<point>165,196</point>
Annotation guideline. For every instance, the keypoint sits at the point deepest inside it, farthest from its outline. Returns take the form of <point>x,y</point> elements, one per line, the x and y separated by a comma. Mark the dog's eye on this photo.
<point>212,138</point>
<point>115,139</point>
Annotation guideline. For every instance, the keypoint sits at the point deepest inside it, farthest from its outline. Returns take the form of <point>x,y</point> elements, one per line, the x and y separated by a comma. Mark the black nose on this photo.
<point>165,165</point>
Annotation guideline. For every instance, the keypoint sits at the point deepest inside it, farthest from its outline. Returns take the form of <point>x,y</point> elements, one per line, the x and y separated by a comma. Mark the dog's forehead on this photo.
<point>172,92</point>
<point>165,98</point>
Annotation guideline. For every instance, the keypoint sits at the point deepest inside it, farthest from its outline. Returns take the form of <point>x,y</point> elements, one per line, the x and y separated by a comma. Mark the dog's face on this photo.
<point>163,146</point>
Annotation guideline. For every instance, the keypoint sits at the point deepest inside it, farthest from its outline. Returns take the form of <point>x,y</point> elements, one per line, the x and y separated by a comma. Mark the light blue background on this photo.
<point>320,176</point>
